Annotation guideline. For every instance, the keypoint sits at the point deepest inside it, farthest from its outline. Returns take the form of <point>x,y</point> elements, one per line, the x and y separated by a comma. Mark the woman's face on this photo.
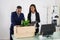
<point>32,9</point>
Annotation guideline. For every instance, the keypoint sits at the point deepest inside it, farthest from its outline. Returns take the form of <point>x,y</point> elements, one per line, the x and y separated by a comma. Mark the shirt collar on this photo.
<point>33,13</point>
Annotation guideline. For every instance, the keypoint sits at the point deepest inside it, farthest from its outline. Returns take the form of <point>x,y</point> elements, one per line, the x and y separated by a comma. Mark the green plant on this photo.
<point>25,23</point>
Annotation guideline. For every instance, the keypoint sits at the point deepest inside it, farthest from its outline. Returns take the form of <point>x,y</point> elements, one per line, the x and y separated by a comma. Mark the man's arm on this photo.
<point>23,16</point>
<point>13,19</point>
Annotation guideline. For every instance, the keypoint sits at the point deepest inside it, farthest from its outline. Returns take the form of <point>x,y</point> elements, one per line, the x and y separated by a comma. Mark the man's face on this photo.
<point>18,11</point>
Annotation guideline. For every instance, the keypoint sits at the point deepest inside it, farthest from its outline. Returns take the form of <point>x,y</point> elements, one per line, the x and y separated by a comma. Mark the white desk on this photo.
<point>55,36</point>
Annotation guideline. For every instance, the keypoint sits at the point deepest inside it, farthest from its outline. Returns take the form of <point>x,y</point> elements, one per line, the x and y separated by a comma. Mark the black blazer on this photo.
<point>37,18</point>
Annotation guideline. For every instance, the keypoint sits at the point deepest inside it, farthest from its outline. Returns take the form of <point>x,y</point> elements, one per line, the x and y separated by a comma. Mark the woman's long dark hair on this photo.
<point>34,7</point>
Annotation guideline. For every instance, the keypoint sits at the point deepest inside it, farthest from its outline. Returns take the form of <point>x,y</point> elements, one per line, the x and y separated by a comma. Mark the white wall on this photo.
<point>58,3</point>
<point>8,6</point>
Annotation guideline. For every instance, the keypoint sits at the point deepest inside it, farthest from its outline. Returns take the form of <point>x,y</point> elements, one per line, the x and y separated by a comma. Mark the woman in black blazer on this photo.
<point>33,16</point>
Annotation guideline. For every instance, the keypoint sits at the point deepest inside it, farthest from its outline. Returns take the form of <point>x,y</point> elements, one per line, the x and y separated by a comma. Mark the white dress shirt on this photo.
<point>33,17</point>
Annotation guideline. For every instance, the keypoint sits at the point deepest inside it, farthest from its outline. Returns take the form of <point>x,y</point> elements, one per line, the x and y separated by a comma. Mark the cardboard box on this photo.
<point>27,31</point>
<point>57,29</point>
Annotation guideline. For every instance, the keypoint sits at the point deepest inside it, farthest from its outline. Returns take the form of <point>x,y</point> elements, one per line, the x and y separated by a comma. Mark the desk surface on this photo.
<point>55,36</point>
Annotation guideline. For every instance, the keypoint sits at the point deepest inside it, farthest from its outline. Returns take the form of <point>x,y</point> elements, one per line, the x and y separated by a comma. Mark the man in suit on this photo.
<point>16,18</point>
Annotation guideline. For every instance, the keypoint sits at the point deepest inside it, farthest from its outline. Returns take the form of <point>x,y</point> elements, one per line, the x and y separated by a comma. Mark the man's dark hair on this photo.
<point>19,7</point>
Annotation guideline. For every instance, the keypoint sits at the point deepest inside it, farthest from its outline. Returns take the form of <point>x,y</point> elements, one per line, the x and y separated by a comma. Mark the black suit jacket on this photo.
<point>37,18</point>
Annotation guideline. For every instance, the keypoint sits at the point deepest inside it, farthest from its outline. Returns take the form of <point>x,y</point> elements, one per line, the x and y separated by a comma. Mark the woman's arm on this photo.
<point>29,17</point>
<point>38,17</point>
